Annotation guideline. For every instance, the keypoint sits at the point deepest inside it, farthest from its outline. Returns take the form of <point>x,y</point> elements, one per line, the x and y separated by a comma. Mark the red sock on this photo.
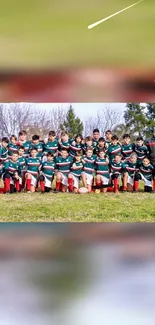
<point>115,184</point>
<point>42,186</point>
<point>136,185</point>
<point>154,184</point>
<point>7,184</point>
<point>110,189</point>
<point>124,188</point>
<point>17,186</point>
<point>58,185</point>
<point>70,183</point>
<point>98,184</point>
<point>28,184</point>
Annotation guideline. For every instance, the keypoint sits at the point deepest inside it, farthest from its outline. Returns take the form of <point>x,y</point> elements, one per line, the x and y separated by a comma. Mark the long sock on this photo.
<point>136,185</point>
<point>70,184</point>
<point>98,184</point>
<point>17,186</point>
<point>115,184</point>
<point>154,184</point>
<point>58,185</point>
<point>42,186</point>
<point>7,184</point>
<point>28,184</point>
<point>124,188</point>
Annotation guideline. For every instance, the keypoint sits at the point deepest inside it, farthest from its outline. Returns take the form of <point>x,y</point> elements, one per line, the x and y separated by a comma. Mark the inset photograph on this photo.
<point>77,162</point>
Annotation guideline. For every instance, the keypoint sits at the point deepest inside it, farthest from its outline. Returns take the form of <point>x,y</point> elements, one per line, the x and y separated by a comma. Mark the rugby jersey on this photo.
<point>116,168</point>
<point>141,151</point>
<point>26,146</point>
<point>48,168</point>
<point>146,171</point>
<point>76,168</point>
<point>74,147</point>
<point>33,165</point>
<point>51,146</point>
<point>89,164</point>
<point>127,150</point>
<point>102,167</point>
<point>130,167</point>
<point>39,147</point>
<point>22,162</point>
<point>63,165</point>
<point>113,150</point>
<point>12,148</point>
<point>3,154</point>
<point>64,145</point>
<point>12,167</point>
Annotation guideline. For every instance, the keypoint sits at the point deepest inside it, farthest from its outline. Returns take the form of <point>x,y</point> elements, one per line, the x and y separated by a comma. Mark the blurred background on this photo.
<point>77,274</point>
<point>48,53</point>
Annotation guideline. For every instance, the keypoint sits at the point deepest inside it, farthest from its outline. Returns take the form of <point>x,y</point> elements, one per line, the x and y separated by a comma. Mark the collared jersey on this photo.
<point>127,150</point>
<point>76,168</point>
<point>48,168</point>
<point>74,147</point>
<point>63,165</point>
<point>130,168</point>
<point>146,171</point>
<point>102,167</point>
<point>22,162</point>
<point>89,164</point>
<point>11,167</point>
<point>39,147</point>
<point>3,154</point>
<point>51,146</point>
<point>117,168</point>
<point>141,151</point>
<point>12,148</point>
<point>113,150</point>
<point>33,165</point>
<point>26,146</point>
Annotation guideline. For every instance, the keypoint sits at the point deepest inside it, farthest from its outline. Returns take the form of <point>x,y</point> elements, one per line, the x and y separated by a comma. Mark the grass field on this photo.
<point>126,207</point>
<point>54,33</point>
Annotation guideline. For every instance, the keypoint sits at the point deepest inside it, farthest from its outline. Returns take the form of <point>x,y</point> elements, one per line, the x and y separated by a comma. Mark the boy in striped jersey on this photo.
<point>130,168</point>
<point>64,142</point>
<point>88,169</point>
<point>146,174</point>
<point>51,145</point>
<point>12,174</point>
<point>101,145</point>
<point>127,147</point>
<point>12,146</point>
<point>116,171</point>
<point>47,169</point>
<point>75,174</point>
<point>4,150</point>
<point>96,136</point>
<point>114,148</point>
<point>37,144</point>
<point>108,136</point>
<point>22,162</point>
<point>88,142</point>
<point>32,163</point>
<point>76,145</point>
<point>63,165</point>
<point>102,171</point>
<point>141,149</point>
<point>24,142</point>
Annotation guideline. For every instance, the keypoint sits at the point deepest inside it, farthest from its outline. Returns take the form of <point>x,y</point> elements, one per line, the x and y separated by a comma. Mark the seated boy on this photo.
<point>63,165</point>
<point>75,174</point>
<point>88,169</point>
<point>145,173</point>
<point>102,171</point>
<point>116,171</point>
<point>47,169</point>
<point>12,174</point>
<point>130,168</point>
<point>32,171</point>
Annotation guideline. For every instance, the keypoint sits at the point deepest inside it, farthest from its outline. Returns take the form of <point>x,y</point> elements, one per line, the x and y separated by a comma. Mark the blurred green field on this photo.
<point>126,207</point>
<point>54,33</point>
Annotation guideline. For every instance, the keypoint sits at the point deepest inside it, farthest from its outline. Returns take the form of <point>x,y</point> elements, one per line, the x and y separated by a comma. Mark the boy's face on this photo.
<point>33,153</point>
<point>114,142</point>
<point>127,140</point>
<point>14,157</point>
<point>22,137</point>
<point>101,155</point>
<point>13,140</point>
<point>108,136</point>
<point>64,154</point>
<point>140,143</point>
<point>146,162</point>
<point>89,143</point>
<point>50,158</point>
<point>51,138</point>
<point>101,143</point>
<point>118,159</point>
<point>89,153</point>
<point>35,141</point>
<point>96,135</point>
<point>21,152</point>
<point>78,158</point>
<point>64,138</point>
<point>133,159</point>
<point>78,140</point>
<point>4,144</point>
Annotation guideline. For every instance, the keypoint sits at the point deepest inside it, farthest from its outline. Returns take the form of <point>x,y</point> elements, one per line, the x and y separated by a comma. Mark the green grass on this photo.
<point>126,207</point>
<point>54,33</point>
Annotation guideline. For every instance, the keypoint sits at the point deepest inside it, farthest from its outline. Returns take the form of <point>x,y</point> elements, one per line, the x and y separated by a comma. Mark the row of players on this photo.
<point>18,171</point>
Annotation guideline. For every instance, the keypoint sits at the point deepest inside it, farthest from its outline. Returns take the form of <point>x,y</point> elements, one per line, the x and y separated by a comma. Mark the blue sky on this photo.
<point>83,110</point>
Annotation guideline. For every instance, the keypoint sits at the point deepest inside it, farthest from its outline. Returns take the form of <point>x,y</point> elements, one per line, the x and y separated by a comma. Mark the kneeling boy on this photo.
<point>47,173</point>
<point>75,174</point>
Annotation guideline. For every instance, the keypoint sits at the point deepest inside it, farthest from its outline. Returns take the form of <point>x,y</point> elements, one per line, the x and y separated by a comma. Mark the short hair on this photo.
<point>21,148</point>
<point>96,131</point>
<point>50,154</point>
<point>88,138</point>
<point>101,150</point>
<point>118,154</point>
<point>78,153</point>
<point>108,131</point>
<point>52,133</point>
<point>133,154</point>
<point>65,149</point>
<point>35,137</point>
<point>101,139</point>
<point>126,135</point>
<point>114,137</point>
<point>5,139</point>
<point>34,149</point>
<point>89,148</point>
<point>140,138</point>
<point>146,157</point>
<point>79,136</point>
<point>64,133</point>
<point>13,136</point>
<point>22,132</point>
<point>15,153</point>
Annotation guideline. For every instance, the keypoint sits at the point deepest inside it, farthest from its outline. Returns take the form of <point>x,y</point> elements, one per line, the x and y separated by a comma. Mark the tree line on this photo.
<point>137,119</point>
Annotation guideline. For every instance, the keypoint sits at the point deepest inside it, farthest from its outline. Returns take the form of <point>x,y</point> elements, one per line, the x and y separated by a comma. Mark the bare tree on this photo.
<point>105,119</point>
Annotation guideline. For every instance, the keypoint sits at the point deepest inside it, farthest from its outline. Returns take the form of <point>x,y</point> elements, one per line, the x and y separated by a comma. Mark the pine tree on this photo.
<point>72,124</point>
<point>135,118</point>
